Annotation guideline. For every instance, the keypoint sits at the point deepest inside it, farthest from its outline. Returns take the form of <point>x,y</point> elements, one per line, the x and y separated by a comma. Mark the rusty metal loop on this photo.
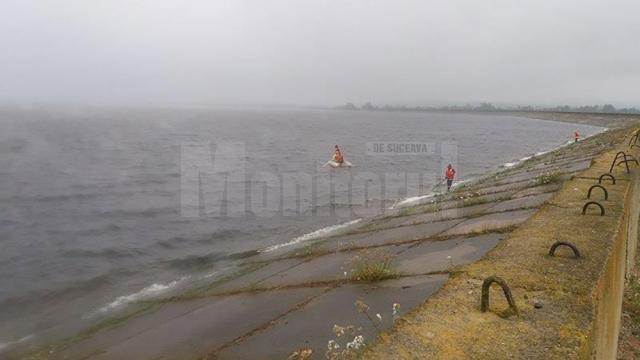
<point>629,160</point>
<point>586,205</point>
<point>618,154</point>
<point>552,250</point>
<point>615,161</point>
<point>606,193</point>
<point>484,303</point>
<point>613,179</point>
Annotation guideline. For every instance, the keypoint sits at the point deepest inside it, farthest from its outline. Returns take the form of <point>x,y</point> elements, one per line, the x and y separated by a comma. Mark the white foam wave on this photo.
<point>412,200</point>
<point>146,293</point>
<point>512,164</point>
<point>566,143</point>
<point>326,231</point>
<point>211,274</point>
<point>415,200</point>
<point>6,345</point>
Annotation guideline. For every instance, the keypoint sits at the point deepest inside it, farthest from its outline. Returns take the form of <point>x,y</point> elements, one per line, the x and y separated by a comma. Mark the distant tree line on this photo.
<point>607,108</point>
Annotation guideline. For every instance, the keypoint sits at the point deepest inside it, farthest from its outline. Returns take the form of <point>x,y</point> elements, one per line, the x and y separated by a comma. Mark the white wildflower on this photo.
<point>379,317</point>
<point>396,309</point>
<point>357,343</point>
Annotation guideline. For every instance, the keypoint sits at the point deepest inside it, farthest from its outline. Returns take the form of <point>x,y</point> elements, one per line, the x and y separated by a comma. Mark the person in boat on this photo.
<point>337,156</point>
<point>449,174</point>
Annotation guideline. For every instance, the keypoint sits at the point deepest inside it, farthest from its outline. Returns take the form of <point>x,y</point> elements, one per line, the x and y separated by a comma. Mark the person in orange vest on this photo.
<point>337,156</point>
<point>449,175</point>
<point>576,137</point>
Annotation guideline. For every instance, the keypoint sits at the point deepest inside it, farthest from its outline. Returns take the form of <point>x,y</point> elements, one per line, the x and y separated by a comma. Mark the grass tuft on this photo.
<point>373,266</point>
<point>553,178</point>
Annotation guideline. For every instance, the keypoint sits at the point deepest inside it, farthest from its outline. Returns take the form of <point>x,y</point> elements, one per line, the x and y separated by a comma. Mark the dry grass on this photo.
<point>373,265</point>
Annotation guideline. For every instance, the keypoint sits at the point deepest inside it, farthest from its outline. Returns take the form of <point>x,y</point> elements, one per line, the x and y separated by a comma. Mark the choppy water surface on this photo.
<point>92,213</point>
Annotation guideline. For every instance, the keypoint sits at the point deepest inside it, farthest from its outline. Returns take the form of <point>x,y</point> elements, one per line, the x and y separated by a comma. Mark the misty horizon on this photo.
<point>320,53</point>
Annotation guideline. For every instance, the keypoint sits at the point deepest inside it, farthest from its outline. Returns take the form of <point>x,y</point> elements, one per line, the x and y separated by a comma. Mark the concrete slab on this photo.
<point>389,223</point>
<point>488,188</point>
<point>492,196</point>
<point>434,216</point>
<point>490,222</point>
<point>565,165</point>
<point>527,178</point>
<point>533,172</point>
<point>537,190</point>
<point>251,279</point>
<point>449,204</point>
<point>448,214</point>
<point>311,326</point>
<point>387,236</point>
<point>522,202</point>
<point>188,329</point>
<point>330,267</point>
<point>432,256</point>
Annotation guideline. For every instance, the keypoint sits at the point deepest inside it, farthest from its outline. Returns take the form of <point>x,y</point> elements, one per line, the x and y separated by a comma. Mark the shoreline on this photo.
<point>156,289</point>
<point>140,280</point>
<point>401,236</point>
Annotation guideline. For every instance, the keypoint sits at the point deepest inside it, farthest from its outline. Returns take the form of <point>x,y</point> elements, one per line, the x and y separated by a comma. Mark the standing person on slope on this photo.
<point>576,137</point>
<point>449,175</point>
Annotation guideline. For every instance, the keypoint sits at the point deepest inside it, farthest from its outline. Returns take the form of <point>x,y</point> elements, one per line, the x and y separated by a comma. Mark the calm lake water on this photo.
<point>103,208</point>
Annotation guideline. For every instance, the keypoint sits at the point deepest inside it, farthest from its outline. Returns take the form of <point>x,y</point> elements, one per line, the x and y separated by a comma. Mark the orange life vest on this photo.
<point>450,173</point>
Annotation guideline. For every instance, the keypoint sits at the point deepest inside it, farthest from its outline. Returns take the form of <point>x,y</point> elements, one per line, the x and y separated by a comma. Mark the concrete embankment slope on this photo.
<point>567,307</point>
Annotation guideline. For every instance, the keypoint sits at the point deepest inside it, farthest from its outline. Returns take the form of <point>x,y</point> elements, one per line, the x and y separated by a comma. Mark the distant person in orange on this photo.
<point>337,156</point>
<point>576,137</point>
<point>449,175</point>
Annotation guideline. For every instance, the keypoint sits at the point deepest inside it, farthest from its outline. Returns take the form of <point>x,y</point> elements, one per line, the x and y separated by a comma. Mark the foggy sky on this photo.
<point>314,52</point>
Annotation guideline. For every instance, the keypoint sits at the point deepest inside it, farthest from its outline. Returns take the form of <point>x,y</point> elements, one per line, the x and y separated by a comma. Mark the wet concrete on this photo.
<point>529,178</point>
<point>521,203</point>
<point>490,222</point>
<point>330,267</point>
<point>531,173</point>
<point>455,213</point>
<point>387,236</point>
<point>537,190</point>
<point>188,329</point>
<point>430,256</point>
<point>489,188</point>
<point>567,166</point>
<point>427,217</point>
<point>398,221</point>
<point>251,279</point>
<point>311,326</point>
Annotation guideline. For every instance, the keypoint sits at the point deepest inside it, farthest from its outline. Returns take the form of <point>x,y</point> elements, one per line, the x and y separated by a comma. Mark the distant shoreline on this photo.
<point>603,119</point>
